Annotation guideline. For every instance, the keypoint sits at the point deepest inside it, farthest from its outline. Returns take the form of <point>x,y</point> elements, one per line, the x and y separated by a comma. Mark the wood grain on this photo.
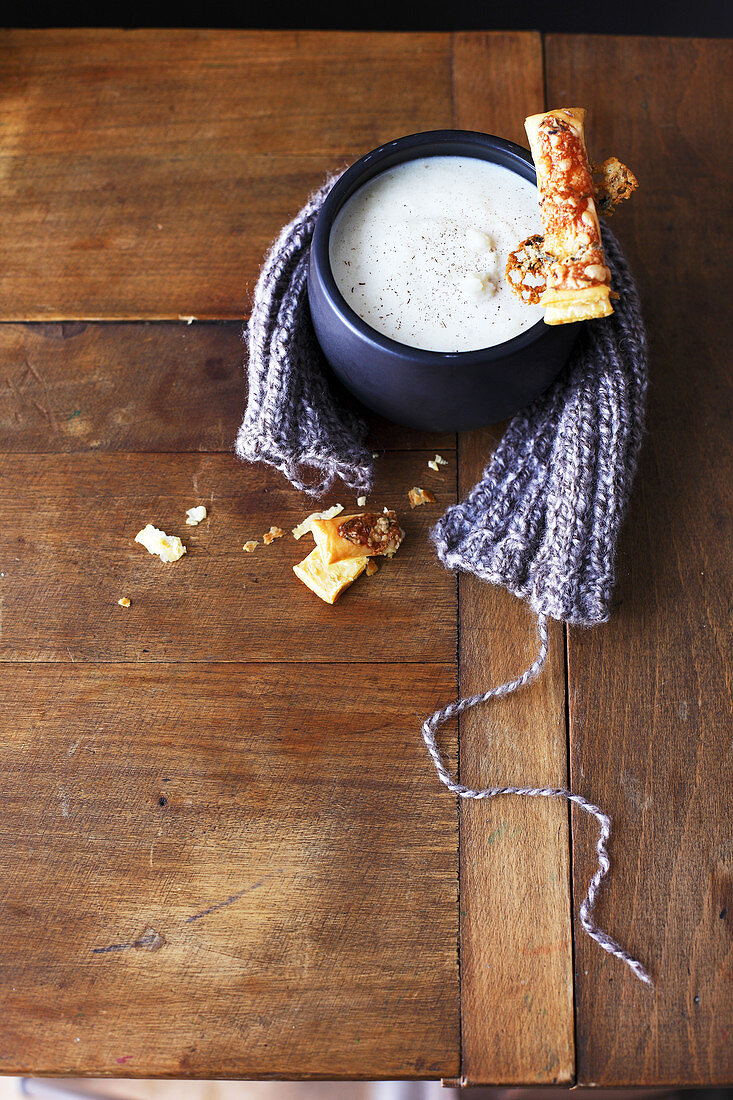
<point>146,172</point>
<point>650,692</point>
<point>226,871</point>
<point>516,950</point>
<point>67,554</point>
<point>208,868</point>
<point>71,387</point>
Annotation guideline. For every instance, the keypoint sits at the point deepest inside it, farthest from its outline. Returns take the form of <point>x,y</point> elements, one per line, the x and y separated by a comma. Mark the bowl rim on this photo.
<point>342,190</point>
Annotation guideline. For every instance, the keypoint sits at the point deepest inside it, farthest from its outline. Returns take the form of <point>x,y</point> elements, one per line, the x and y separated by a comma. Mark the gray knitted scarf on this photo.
<point>544,519</point>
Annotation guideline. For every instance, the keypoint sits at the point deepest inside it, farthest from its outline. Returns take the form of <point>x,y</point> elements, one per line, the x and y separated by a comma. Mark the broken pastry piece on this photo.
<point>614,183</point>
<point>304,527</point>
<point>353,537</point>
<point>565,270</point>
<point>328,581</point>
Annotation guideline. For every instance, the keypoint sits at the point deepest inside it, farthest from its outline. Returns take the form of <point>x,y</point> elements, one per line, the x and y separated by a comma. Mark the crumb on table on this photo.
<point>273,533</point>
<point>195,515</point>
<point>420,496</point>
<point>168,548</point>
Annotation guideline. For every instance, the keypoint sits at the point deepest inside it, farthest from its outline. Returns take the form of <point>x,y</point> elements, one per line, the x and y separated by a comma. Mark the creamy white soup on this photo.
<point>419,252</point>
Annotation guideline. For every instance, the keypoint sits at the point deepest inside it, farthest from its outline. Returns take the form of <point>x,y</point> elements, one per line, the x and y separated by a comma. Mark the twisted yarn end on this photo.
<point>452,710</point>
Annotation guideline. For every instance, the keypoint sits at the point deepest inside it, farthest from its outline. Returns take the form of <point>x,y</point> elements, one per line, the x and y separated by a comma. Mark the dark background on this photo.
<point>710,18</point>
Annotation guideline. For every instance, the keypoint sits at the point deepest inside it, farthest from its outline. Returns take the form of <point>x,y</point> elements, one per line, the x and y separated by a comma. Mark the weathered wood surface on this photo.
<point>68,554</point>
<point>225,870</point>
<point>147,387</point>
<point>650,692</point>
<point>145,172</point>
<point>228,679</point>
<point>516,931</point>
<point>303,854</point>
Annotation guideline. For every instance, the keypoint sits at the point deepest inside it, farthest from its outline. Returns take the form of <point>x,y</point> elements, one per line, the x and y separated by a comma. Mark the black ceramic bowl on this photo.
<point>435,390</point>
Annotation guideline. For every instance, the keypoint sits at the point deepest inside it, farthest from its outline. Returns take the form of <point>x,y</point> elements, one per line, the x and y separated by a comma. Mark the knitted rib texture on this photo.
<point>293,420</point>
<point>545,517</point>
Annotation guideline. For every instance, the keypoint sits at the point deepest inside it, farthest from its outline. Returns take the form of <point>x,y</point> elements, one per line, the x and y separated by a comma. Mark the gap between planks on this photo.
<point>518,1019</point>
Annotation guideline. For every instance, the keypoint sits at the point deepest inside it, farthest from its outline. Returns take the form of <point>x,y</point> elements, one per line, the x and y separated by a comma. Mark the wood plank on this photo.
<point>72,387</point>
<point>238,872</point>
<point>649,700</point>
<point>516,961</point>
<point>145,172</point>
<point>67,553</point>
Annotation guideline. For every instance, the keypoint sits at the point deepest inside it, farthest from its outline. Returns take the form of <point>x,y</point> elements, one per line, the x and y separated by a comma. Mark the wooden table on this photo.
<point>224,852</point>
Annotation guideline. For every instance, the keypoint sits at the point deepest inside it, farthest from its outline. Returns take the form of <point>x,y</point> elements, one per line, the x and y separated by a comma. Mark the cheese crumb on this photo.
<point>273,533</point>
<point>195,515</point>
<point>169,548</point>
<point>250,546</point>
<point>304,527</point>
<point>124,602</point>
<point>360,501</point>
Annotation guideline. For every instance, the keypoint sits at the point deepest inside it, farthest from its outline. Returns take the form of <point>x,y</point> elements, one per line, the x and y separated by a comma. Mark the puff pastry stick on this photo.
<point>578,280</point>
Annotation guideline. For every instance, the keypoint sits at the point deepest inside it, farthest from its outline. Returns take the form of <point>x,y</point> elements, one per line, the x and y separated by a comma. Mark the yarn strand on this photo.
<point>587,907</point>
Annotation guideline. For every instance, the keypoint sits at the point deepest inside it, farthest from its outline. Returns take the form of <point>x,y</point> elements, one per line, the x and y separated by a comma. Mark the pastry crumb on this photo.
<point>168,548</point>
<point>433,465</point>
<point>360,501</point>
<point>614,183</point>
<point>304,527</point>
<point>194,516</point>
<point>440,460</point>
<point>124,602</point>
<point>420,496</point>
<point>372,567</point>
<point>273,533</point>
<point>250,546</point>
